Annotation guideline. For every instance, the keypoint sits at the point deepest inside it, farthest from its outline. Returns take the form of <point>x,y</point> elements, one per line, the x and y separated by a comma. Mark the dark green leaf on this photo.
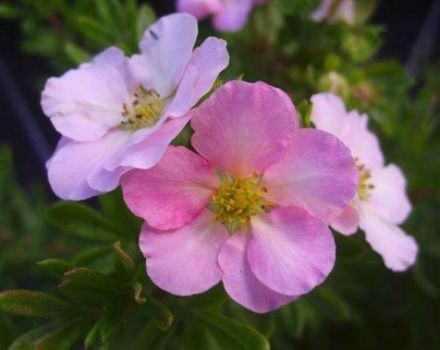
<point>33,304</point>
<point>55,267</point>
<point>81,220</point>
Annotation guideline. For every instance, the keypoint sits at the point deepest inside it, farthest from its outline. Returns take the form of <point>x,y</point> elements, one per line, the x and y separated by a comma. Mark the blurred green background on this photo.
<point>92,290</point>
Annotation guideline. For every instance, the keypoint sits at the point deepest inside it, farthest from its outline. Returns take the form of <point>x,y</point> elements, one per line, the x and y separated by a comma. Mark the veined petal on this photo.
<point>240,282</point>
<point>172,193</point>
<point>398,250</point>
<point>85,103</point>
<point>290,251</point>
<point>72,163</point>
<point>317,174</point>
<point>244,127</point>
<point>184,261</point>
<point>166,49</point>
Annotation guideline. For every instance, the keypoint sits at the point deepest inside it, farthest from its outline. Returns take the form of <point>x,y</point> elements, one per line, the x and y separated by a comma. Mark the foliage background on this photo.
<point>93,292</point>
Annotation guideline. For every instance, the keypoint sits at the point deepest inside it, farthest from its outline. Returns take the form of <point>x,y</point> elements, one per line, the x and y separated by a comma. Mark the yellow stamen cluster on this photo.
<point>364,187</point>
<point>145,111</point>
<point>237,201</point>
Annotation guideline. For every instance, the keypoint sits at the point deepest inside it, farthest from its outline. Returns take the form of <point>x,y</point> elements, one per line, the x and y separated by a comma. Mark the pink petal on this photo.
<point>233,15</point>
<point>239,281</point>
<point>398,250</point>
<point>329,114</point>
<point>244,127</point>
<point>205,65</point>
<point>172,193</point>
<point>146,148</point>
<point>199,8</point>
<point>317,174</point>
<point>320,13</point>
<point>290,251</point>
<point>166,49</point>
<point>85,103</point>
<point>345,12</point>
<point>347,221</point>
<point>184,261</point>
<point>388,197</point>
<point>71,165</point>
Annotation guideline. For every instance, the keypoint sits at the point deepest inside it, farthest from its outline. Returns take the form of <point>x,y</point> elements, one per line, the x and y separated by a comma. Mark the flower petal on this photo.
<point>72,163</point>
<point>239,281</point>
<point>317,174</point>
<point>184,261</point>
<point>172,193</point>
<point>347,221</point>
<point>85,103</point>
<point>253,124</point>
<point>199,8</point>
<point>166,49</point>
<point>146,149</point>
<point>233,15</point>
<point>329,114</point>
<point>290,251</point>
<point>398,250</point>
<point>388,197</point>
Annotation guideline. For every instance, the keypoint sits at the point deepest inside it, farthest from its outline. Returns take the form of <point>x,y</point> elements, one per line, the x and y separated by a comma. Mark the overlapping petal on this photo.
<point>317,174</point>
<point>199,8</point>
<point>73,163</point>
<point>244,128</point>
<point>166,49</point>
<point>239,281</point>
<point>172,193</point>
<point>329,114</point>
<point>347,222</point>
<point>290,251</point>
<point>85,103</point>
<point>184,261</point>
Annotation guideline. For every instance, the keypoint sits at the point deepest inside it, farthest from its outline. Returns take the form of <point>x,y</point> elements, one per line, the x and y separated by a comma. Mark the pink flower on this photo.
<point>247,209</point>
<point>117,113</point>
<point>228,15</point>
<point>381,202</point>
<point>334,11</point>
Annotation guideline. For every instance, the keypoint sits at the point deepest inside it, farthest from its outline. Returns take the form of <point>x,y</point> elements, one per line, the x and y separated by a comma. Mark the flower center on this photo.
<point>237,201</point>
<point>145,110</point>
<point>364,187</point>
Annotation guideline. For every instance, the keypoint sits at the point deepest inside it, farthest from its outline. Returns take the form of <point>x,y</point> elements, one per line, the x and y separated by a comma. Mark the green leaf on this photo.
<point>159,313</point>
<point>125,259</point>
<point>75,53</point>
<point>231,335</point>
<point>81,220</point>
<point>111,319</point>
<point>91,336</point>
<point>8,11</point>
<point>55,267</point>
<point>27,340</point>
<point>87,282</point>
<point>62,337</point>
<point>6,331</point>
<point>33,304</point>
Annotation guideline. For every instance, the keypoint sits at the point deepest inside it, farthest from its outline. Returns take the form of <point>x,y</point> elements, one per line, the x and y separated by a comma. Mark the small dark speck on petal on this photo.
<point>154,35</point>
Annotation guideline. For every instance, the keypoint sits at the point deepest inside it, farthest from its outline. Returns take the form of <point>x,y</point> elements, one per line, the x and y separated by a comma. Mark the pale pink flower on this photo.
<point>116,113</point>
<point>247,209</point>
<point>381,202</point>
<point>335,11</point>
<point>228,15</point>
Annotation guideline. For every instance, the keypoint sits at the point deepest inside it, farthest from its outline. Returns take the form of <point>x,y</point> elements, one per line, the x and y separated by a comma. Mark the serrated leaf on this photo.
<point>230,334</point>
<point>81,220</point>
<point>33,304</point>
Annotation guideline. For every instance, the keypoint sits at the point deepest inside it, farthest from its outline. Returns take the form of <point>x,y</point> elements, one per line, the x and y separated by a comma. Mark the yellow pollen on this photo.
<point>145,111</point>
<point>364,186</point>
<point>237,201</point>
